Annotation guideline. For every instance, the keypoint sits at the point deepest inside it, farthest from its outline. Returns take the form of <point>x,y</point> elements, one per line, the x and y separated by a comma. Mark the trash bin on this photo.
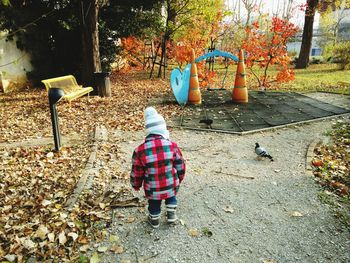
<point>103,84</point>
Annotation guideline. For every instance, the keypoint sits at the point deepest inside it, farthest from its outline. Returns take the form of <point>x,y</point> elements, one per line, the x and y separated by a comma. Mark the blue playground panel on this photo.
<point>217,53</point>
<point>180,83</point>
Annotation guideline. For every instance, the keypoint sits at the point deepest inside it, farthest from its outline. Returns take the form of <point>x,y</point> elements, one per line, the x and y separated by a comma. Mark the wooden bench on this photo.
<point>69,85</point>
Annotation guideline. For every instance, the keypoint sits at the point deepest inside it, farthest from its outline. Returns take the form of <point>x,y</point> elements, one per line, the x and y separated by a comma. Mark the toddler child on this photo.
<point>158,165</point>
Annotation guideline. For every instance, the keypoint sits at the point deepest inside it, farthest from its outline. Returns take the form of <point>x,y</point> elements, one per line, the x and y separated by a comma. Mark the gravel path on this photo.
<point>225,215</point>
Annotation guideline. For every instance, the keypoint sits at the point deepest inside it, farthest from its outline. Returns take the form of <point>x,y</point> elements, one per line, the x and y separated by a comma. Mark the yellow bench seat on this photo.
<point>69,85</point>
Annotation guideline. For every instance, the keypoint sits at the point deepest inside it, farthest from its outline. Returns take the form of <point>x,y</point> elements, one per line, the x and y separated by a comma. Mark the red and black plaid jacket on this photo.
<point>158,165</point>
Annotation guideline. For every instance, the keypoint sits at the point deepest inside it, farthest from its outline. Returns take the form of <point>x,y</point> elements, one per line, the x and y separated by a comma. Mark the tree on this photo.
<point>250,6</point>
<point>138,18</point>
<point>88,16</point>
<point>332,16</point>
<point>269,48</point>
<point>49,32</point>
<point>180,16</point>
<point>306,42</point>
<point>6,2</point>
<point>63,36</point>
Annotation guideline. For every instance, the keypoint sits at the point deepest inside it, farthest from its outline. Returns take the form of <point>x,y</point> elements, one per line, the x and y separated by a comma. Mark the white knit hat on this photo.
<point>155,123</point>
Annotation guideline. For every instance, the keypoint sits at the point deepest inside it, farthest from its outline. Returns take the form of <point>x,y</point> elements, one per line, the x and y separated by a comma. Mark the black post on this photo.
<point>55,95</point>
<point>103,84</point>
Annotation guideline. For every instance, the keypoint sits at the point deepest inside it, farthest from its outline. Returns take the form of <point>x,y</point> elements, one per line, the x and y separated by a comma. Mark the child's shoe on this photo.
<point>154,220</point>
<point>171,213</point>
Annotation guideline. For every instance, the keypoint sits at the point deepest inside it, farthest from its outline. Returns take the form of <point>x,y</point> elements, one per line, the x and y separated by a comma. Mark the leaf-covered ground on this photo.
<point>332,170</point>
<point>25,114</point>
<point>36,183</point>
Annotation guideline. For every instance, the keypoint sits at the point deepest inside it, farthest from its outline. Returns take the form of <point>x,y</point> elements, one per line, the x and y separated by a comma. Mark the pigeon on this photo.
<point>208,122</point>
<point>260,151</point>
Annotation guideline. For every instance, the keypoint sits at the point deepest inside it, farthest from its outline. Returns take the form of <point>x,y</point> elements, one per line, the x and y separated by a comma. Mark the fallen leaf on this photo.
<point>102,249</point>
<point>84,248</point>
<point>317,162</point>
<point>335,184</point>
<point>41,232</point>
<point>51,237</point>
<point>102,205</point>
<point>46,202</point>
<point>10,257</point>
<point>42,244</point>
<point>113,238</point>
<point>83,240</point>
<point>193,232</point>
<point>73,235</point>
<point>228,209</point>
<point>63,216</point>
<point>117,249</point>
<point>29,244</point>
<point>95,258</point>
<point>62,238</point>
<point>130,219</point>
<point>296,214</point>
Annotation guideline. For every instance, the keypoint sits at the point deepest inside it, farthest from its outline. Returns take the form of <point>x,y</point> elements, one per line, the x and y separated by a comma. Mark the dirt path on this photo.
<point>228,217</point>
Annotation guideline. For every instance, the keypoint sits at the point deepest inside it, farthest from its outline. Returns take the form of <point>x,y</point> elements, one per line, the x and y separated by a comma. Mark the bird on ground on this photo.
<point>208,122</point>
<point>260,151</point>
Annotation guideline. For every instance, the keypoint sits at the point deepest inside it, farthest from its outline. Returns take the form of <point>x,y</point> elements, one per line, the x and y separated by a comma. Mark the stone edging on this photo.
<point>310,155</point>
<point>91,168</point>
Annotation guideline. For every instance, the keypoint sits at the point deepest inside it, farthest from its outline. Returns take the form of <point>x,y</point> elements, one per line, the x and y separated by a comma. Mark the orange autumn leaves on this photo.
<point>267,47</point>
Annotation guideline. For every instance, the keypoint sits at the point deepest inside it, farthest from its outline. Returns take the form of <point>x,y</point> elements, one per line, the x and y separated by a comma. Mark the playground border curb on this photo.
<point>262,129</point>
<point>310,155</point>
<point>91,169</point>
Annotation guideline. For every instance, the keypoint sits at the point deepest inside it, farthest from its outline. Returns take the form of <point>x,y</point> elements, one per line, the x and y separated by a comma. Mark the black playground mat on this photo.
<point>264,110</point>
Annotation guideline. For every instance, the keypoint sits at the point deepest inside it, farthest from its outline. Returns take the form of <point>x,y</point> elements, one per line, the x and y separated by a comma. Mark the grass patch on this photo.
<point>317,77</point>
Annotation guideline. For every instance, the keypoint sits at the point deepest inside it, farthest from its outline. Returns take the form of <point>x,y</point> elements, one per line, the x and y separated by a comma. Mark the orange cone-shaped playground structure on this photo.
<point>240,92</point>
<point>194,94</point>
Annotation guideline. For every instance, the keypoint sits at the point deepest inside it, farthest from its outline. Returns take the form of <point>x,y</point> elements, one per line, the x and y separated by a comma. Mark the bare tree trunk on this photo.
<point>91,63</point>
<point>162,63</point>
<point>249,6</point>
<point>170,17</point>
<point>304,54</point>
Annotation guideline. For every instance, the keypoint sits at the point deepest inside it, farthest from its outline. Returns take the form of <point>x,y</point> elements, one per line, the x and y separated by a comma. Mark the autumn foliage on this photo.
<point>266,48</point>
<point>197,38</point>
<point>132,51</point>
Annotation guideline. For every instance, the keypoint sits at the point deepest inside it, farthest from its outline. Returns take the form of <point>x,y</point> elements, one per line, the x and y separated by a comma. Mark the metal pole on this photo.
<point>55,95</point>
<point>55,128</point>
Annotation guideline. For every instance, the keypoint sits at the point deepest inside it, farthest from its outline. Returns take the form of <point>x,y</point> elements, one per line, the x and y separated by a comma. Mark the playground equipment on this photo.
<point>194,94</point>
<point>240,92</point>
<point>180,83</point>
<point>185,84</point>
